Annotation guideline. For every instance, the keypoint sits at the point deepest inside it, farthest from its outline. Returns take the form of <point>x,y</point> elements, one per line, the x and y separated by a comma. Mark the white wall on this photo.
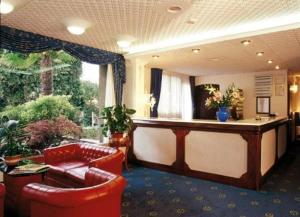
<point>136,87</point>
<point>246,82</point>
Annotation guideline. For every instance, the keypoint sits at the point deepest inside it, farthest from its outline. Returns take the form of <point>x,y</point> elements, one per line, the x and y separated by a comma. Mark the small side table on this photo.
<point>121,142</point>
<point>14,185</point>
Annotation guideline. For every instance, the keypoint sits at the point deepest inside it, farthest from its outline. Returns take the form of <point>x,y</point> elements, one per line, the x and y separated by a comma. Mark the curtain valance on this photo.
<point>27,42</point>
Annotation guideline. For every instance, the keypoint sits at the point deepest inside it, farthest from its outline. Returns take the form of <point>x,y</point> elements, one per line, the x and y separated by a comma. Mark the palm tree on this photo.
<point>46,77</point>
<point>42,63</point>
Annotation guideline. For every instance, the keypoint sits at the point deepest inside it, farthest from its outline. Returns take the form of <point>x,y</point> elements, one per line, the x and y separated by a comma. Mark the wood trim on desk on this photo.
<point>180,164</point>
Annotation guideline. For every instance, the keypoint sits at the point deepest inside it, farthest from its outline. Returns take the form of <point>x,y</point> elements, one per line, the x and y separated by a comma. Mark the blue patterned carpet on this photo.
<point>155,193</point>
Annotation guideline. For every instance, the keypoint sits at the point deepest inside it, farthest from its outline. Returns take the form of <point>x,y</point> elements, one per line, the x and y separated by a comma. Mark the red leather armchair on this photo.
<point>101,197</point>
<point>69,163</point>
<point>2,194</point>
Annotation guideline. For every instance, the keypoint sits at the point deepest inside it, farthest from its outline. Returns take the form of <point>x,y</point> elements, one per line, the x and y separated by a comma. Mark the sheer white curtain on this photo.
<point>175,96</point>
<point>110,98</point>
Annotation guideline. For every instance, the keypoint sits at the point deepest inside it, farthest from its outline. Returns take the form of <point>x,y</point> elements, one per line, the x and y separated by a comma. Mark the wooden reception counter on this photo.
<point>239,153</point>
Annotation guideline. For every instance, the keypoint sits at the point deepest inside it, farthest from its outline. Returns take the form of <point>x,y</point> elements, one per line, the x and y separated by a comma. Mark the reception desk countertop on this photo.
<point>247,124</point>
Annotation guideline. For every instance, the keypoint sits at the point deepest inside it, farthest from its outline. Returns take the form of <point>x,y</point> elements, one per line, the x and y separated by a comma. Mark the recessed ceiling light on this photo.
<point>215,59</point>
<point>246,42</point>
<point>196,50</point>
<point>277,67</point>
<point>259,54</point>
<point>76,30</point>
<point>6,7</point>
<point>174,9</point>
<point>191,21</point>
<point>155,56</point>
<point>270,61</point>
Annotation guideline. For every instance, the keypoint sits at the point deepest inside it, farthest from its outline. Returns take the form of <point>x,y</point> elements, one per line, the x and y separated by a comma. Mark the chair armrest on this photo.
<point>111,163</point>
<point>70,197</point>
<point>95,176</point>
<point>60,153</point>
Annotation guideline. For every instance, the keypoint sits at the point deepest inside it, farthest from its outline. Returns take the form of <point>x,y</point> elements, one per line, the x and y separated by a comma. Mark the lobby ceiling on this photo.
<point>231,56</point>
<point>215,26</point>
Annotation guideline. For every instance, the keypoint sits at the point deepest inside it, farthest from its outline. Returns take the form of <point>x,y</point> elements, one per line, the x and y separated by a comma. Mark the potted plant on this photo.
<point>116,121</point>
<point>12,145</point>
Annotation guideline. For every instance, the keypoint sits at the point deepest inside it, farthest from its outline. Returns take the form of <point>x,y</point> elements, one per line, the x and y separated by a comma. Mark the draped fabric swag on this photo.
<point>156,76</point>
<point>27,42</point>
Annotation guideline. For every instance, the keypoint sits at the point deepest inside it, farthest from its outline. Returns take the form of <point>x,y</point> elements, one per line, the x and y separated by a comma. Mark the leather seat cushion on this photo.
<point>62,167</point>
<point>77,173</point>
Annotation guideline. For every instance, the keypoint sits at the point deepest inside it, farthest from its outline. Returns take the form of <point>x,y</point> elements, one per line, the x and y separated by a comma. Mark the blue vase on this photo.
<point>223,114</point>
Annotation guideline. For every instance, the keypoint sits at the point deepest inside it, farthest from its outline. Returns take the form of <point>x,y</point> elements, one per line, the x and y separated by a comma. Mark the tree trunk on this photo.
<point>46,75</point>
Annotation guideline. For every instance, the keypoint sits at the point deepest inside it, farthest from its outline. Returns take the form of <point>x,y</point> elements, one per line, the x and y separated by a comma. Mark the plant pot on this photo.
<point>116,139</point>
<point>12,160</point>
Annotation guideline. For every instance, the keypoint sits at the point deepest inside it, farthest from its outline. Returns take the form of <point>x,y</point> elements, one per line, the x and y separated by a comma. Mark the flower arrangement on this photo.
<point>152,102</point>
<point>231,97</point>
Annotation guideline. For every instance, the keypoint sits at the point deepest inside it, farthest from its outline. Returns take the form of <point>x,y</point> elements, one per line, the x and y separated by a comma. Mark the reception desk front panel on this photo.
<point>237,153</point>
<point>218,153</point>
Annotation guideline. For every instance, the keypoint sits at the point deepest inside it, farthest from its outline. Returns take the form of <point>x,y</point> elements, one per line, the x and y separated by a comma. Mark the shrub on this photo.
<point>45,133</point>
<point>43,108</point>
<point>91,133</point>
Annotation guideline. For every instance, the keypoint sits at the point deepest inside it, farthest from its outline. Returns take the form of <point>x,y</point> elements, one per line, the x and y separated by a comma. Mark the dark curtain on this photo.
<point>156,76</point>
<point>192,85</point>
<point>27,42</point>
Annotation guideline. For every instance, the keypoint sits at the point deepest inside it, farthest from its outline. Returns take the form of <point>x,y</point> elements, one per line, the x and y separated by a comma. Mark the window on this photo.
<point>175,97</point>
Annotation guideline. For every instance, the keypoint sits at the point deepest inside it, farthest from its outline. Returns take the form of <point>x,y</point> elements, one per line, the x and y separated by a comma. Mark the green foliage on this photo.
<point>90,94</point>
<point>116,119</point>
<point>47,133</point>
<point>11,138</point>
<point>66,81</point>
<point>46,107</point>
<point>91,133</point>
<point>20,77</point>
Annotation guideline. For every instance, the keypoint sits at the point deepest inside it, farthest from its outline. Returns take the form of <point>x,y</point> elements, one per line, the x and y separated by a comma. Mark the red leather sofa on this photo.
<point>100,197</point>
<point>69,163</point>
<point>2,194</point>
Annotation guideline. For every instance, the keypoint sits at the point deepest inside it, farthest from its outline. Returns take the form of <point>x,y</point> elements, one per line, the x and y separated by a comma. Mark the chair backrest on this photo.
<point>61,153</point>
<point>88,152</point>
<point>102,199</point>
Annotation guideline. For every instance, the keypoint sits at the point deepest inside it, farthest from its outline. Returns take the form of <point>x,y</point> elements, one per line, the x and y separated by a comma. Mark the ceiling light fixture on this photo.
<point>76,26</point>
<point>277,67</point>
<point>123,43</point>
<point>259,54</point>
<point>196,50</point>
<point>76,30</point>
<point>246,42</point>
<point>270,61</point>
<point>155,57</point>
<point>174,9</point>
<point>294,88</point>
<point>6,7</point>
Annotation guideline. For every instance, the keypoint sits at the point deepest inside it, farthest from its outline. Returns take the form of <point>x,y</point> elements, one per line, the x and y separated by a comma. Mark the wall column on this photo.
<point>102,87</point>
